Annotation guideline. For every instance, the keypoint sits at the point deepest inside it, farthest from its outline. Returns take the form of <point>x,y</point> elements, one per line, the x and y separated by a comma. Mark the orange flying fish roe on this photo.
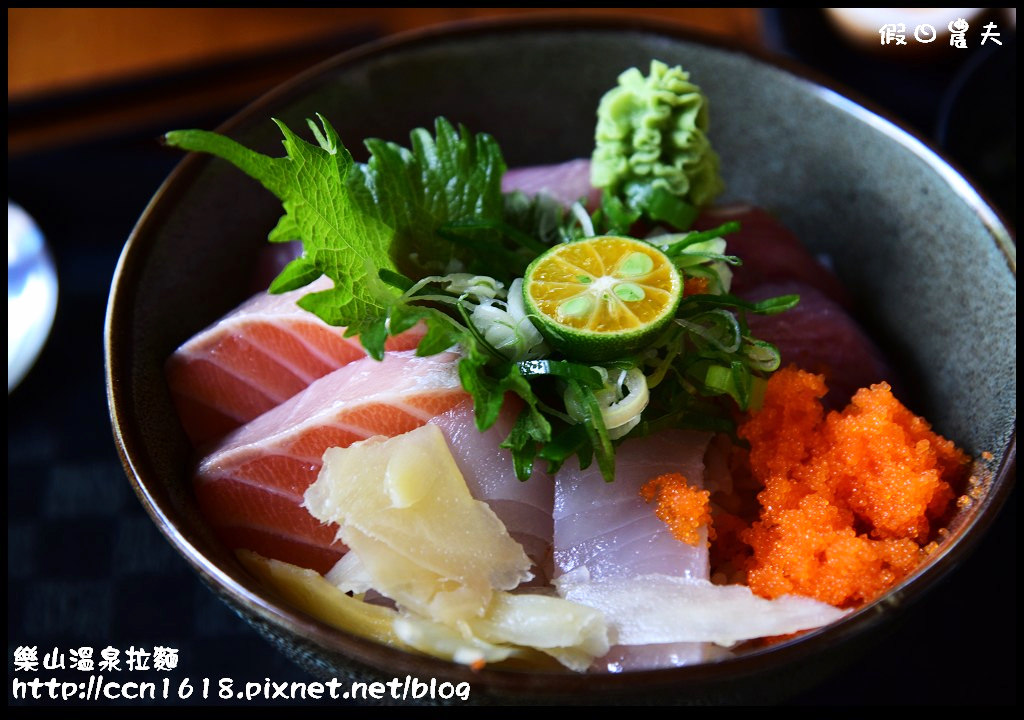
<point>695,286</point>
<point>683,508</point>
<point>849,500</point>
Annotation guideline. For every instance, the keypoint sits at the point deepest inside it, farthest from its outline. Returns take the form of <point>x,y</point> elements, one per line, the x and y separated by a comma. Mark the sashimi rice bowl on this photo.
<point>630,372</point>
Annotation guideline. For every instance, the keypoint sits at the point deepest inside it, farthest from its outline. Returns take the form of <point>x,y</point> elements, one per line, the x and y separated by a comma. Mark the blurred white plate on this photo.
<point>31,293</point>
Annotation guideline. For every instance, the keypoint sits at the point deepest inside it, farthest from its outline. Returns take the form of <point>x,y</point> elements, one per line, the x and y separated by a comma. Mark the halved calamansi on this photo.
<point>601,298</point>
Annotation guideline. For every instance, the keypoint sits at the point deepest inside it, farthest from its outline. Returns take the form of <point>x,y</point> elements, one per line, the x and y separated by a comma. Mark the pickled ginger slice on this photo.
<point>548,621</point>
<point>656,609</point>
<point>444,641</point>
<point>570,632</point>
<point>350,575</point>
<point>527,627</point>
<point>256,357</point>
<point>309,592</point>
<point>250,486</point>
<point>403,507</point>
<point>524,507</point>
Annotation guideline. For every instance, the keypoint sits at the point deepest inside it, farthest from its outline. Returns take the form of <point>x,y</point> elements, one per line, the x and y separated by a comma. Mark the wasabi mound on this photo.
<point>651,134</point>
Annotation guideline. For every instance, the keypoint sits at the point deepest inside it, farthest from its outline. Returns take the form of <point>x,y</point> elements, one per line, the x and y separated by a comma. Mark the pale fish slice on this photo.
<point>524,507</point>
<point>658,609</point>
<point>609,529</point>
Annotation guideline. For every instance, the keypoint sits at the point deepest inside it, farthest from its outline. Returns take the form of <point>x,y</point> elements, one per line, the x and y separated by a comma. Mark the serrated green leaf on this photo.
<point>593,423</point>
<point>487,393</point>
<point>300,272</point>
<point>373,337</point>
<point>327,304</point>
<point>441,334</point>
<point>285,231</point>
<point>340,237</point>
<point>453,176</point>
<point>522,443</point>
<point>563,446</point>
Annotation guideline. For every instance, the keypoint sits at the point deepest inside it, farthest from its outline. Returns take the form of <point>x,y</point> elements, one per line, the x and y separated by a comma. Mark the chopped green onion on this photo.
<point>593,423</point>
<point>563,369</point>
<point>762,355</point>
<point>663,206</point>
<point>395,279</point>
<point>699,236</point>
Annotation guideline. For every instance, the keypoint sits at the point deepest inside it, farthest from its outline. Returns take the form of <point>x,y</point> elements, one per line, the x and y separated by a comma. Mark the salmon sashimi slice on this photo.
<point>255,358</point>
<point>250,487</point>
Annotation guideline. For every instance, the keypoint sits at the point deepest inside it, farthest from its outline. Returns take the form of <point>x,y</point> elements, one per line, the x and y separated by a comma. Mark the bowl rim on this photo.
<point>138,465</point>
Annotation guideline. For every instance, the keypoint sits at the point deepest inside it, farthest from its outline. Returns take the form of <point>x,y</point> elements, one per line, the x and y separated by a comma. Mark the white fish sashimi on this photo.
<point>654,609</point>
<point>567,182</point>
<point>610,529</point>
<point>524,507</point>
<point>652,657</point>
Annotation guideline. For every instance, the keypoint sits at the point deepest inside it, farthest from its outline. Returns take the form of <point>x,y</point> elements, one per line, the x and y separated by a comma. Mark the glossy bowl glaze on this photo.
<point>931,267</point>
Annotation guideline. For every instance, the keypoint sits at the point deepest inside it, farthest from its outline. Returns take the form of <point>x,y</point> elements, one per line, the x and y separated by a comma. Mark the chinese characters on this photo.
<point>26,659</point>
<point>896,33</point>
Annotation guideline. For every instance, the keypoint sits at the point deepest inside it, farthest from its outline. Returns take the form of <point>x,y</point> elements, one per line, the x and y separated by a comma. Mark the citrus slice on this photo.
<point>601,298</point>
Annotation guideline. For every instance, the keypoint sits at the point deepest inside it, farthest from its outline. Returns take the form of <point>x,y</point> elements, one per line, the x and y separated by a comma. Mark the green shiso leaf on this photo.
<point>452,176</point>
<point>299,273</point>
<point>341,237</point>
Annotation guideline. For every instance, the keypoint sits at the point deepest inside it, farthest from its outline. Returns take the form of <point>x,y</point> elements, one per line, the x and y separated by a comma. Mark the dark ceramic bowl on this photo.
<point>931,268</point>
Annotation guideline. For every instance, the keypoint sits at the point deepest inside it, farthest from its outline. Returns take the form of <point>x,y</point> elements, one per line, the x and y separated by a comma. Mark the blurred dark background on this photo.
<point>89,90</point>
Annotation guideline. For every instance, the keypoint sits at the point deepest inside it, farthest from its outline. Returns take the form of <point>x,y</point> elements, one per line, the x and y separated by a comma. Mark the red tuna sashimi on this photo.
<point>567,182</point>
<point>819,336</point>
<point>254,359</point>
<point>770,252</point>
<point>250,488</point>
<point>524,507</point>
